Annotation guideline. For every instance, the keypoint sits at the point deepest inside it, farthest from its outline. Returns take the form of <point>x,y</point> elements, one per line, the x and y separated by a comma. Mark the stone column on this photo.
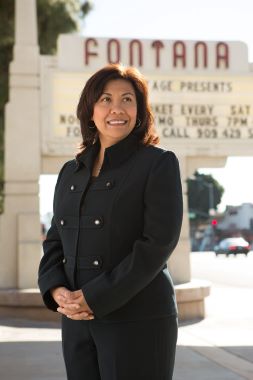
<point>20,224</point>
<point>190,293</point>
<point>179,262</point>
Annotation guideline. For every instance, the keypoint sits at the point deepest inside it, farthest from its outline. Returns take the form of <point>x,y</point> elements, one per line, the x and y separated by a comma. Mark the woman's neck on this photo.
<point>104,143</point>
<point>98,162</point>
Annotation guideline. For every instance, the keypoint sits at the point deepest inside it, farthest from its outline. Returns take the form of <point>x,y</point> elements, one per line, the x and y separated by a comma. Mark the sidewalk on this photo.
<point>220,347</point>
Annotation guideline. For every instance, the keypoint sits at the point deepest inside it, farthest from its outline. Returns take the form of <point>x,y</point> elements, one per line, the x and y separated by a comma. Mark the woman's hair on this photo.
<point>92,91</point>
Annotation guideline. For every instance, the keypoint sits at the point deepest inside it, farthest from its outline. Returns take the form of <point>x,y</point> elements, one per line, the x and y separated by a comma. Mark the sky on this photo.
<point>173,19</point>
<point>226,20</point>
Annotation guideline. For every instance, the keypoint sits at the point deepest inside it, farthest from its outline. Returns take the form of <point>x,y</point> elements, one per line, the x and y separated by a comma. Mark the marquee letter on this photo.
<point>179,51</point>
<point>87,52</point>
<point>197,49</point>
<point>131,47</point>
<point>157,45</point>
<point>110,43</point>
<point>222,54</point>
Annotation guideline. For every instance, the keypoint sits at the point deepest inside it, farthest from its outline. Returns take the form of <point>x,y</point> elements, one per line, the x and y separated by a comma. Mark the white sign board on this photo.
<point>78,53</point>
<point>195,109</point>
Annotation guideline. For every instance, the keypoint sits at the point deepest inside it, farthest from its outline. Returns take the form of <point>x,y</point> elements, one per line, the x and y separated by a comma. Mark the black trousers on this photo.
<point>136,350</point>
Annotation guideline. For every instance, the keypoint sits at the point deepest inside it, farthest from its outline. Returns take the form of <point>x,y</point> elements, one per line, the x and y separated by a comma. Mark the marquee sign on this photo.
<point>201,92</point>
<point>159,56</point>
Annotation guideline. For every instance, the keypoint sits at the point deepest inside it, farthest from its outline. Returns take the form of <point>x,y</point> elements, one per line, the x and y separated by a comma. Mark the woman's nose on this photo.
<point>116,108</point>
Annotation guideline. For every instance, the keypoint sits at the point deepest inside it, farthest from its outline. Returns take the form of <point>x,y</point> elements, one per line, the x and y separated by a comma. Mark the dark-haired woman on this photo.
<point>117,219</point>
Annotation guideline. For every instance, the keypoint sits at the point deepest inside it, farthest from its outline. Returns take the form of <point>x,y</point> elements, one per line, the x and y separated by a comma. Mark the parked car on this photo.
<point>232,246</point>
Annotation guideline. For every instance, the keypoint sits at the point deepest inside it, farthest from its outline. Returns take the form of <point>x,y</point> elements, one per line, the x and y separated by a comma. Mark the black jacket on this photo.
<point>112,237</point>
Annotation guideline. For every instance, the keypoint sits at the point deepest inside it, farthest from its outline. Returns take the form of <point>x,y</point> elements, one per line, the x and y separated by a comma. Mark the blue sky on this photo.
<point>227,20</point>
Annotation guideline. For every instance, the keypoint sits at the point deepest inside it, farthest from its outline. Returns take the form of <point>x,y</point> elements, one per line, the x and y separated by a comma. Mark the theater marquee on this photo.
<point>199,91</point>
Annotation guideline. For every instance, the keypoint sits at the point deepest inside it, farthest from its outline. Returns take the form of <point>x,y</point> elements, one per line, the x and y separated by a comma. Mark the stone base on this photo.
<point>28,304</point>
<point>191,299</point>
<point>25,304</point>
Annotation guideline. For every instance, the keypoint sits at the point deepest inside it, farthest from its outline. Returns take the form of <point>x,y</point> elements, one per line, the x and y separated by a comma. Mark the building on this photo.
<point>238,221</point>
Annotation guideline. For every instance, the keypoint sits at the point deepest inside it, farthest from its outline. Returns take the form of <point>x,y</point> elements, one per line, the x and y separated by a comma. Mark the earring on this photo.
<point>91,125</point>
<point>138,123</point>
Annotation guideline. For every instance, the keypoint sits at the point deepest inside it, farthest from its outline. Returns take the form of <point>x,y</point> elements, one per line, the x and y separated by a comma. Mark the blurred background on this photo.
<point>220,200</point>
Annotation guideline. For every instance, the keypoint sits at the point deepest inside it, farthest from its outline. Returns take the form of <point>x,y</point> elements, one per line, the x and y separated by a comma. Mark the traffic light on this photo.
<point>214,223</point>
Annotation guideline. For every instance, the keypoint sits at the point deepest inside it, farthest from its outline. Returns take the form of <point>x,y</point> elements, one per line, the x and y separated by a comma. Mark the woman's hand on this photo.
<point>72,304</point>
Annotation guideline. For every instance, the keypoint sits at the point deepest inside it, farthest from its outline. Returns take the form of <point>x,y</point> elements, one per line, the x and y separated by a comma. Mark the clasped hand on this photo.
<point>72,304</point>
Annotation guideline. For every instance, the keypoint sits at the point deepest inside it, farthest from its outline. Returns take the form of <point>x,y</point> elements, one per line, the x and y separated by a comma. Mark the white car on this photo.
<point>232,246</point>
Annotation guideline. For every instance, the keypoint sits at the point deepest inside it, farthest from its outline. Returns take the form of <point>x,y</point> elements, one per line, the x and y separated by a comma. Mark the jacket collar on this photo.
<point>114,156</point>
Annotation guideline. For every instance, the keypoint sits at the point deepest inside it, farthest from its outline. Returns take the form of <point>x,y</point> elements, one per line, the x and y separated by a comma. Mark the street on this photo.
<point>231,294</point>
<point>223,271</point>
<point>225,336</point>
<point>230,299</point>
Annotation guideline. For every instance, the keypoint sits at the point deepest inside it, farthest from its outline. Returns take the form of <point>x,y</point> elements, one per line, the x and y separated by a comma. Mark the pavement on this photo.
<point>219,347</point>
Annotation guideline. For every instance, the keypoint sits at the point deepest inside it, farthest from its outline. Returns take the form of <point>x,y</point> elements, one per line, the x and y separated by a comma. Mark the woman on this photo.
<point>117,219</point>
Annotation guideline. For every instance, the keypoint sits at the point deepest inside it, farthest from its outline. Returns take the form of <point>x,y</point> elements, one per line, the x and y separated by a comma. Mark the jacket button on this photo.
<point>64,260</point>
<point>96,263</point>
<point>62,222</point>
<point>97,222</point>
<point>108,184</point>
<point>72,187</point>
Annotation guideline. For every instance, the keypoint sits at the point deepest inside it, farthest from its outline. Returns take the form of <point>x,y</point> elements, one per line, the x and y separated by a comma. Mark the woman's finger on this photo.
<point>81,316</point>
<point>67,310</point>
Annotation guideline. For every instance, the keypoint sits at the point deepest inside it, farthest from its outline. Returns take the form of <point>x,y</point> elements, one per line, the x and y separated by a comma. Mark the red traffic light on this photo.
<point>214,222</point>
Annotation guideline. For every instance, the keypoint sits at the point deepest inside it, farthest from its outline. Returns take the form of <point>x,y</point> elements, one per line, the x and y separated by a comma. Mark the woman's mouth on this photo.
<point>116,122</point>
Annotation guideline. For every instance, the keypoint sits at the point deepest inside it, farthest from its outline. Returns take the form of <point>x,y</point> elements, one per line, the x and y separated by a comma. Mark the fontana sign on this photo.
<point>161,56</point>
<point>200,92</point>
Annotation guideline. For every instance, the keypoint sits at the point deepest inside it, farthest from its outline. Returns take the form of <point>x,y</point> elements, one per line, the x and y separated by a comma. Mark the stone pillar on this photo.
<point>190,293</point>
<point>20,235</point>
<point>179,262</point>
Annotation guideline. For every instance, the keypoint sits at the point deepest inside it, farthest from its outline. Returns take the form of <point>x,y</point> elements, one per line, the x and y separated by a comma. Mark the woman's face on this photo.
<point>115,111</point>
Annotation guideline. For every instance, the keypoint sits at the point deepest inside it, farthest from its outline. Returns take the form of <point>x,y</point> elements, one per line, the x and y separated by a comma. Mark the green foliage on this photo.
<point>54,17</point>
<point>51,20</point>
<point>58,16</point>
<point>204,193</point>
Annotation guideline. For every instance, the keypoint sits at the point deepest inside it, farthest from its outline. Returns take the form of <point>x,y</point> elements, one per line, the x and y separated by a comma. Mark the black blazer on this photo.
<point>112,237</point>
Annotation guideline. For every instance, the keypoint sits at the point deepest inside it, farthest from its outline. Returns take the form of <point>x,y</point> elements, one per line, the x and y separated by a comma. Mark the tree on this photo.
<point>204,194</point>
<point>54,17</point>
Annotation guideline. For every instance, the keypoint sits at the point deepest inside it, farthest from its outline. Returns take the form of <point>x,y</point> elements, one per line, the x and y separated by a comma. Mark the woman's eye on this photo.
<point>105,99</point>
<point>127,99</point>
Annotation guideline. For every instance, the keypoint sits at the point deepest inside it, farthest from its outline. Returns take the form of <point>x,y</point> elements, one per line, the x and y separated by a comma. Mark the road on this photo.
<point>235,271</point>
